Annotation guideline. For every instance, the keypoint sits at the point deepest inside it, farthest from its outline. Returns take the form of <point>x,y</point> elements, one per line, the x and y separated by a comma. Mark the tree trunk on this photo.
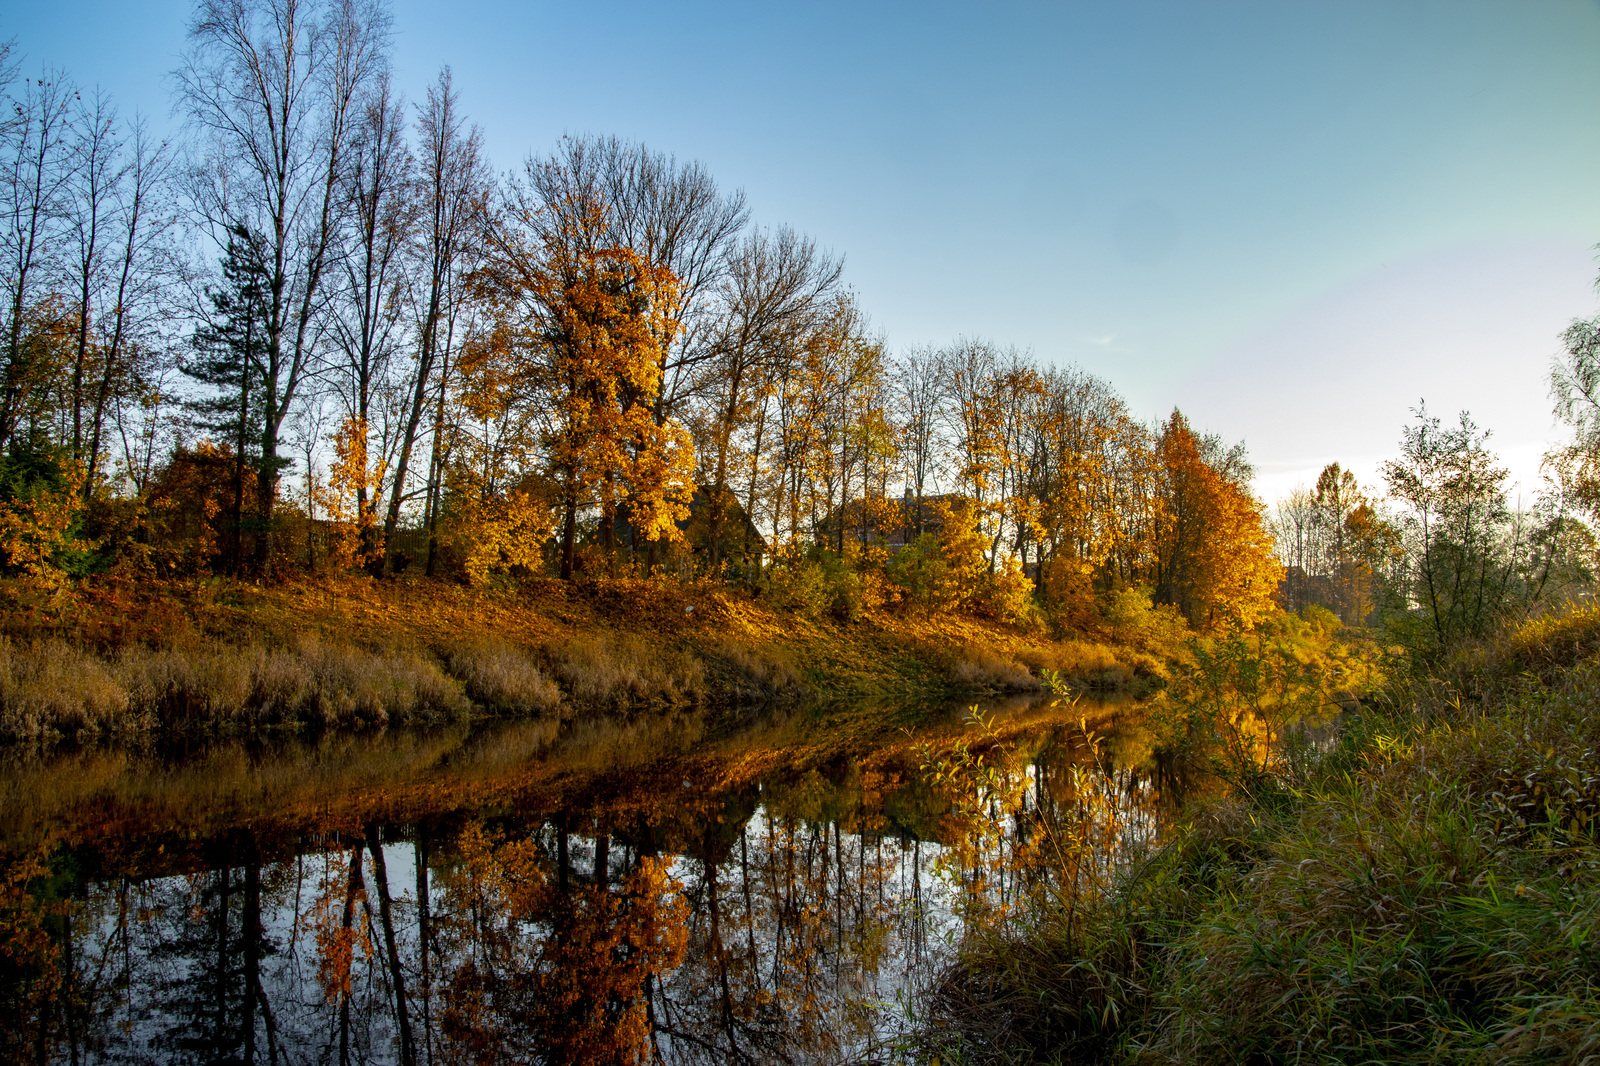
<point>397,976</point>
<point>569,532</point>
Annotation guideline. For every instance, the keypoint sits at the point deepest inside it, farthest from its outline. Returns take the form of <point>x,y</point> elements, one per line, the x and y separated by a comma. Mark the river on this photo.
<point>762,887</point>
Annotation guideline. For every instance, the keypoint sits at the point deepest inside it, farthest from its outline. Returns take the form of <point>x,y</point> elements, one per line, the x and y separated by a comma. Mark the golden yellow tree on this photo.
<point>586,324</point>
<point>349,497</point>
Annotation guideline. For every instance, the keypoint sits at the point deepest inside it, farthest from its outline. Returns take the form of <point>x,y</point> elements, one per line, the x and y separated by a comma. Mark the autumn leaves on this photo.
<point>579,335</point>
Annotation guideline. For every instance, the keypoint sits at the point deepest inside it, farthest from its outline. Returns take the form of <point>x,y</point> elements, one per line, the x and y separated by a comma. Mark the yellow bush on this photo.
<point>498,535</point>
<point>1132,619</point>
<point>38,511</point>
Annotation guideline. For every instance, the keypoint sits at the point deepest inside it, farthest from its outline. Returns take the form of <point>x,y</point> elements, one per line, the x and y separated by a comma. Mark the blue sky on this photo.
<point>1291,220</point>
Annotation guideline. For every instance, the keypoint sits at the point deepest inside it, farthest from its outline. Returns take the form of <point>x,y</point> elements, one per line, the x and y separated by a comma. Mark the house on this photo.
<point>738,540</point>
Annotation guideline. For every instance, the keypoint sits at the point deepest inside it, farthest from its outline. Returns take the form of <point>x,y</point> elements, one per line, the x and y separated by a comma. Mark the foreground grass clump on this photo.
<point>1430,894</point>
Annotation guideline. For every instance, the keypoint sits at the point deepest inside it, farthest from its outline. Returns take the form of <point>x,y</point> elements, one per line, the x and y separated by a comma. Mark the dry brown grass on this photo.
<point>759,672</point>
<point>1095,666</point>
<point>501,677</point>
<point>605,645</point>
<point>350,684</point>
<point>979,666</point>
<point>612,669</point>
<point>55,689</point>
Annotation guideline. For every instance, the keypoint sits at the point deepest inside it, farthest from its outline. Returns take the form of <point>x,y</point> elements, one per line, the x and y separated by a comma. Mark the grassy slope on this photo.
<point>338,645</point>
<point>1433,895</point>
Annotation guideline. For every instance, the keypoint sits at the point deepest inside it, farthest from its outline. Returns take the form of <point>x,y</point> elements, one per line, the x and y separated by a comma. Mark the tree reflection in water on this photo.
<point>787,921</point>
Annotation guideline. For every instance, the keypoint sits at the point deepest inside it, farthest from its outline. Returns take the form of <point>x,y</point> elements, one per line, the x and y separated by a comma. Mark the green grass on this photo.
<point>1431,894</point>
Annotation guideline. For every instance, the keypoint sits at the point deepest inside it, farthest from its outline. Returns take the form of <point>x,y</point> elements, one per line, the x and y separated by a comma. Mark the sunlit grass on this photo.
<point>1430,894</point>
<point>52,688</point>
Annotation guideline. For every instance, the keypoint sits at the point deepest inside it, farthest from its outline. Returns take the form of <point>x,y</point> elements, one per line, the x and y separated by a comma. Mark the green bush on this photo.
<point>920,571</point>
<point>1132,619</point>
<point>820,582</point>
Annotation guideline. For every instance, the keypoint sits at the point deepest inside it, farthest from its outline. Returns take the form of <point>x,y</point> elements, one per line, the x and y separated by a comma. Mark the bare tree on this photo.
<point>776,285</point>
<point>36,164</point>
<point>1298,534</point>
<point>89,201</point>
<point>273,92</point>
<point>134,329</point>
<point>378,211</point>
<point>920,399</point>
<point>452,191</point>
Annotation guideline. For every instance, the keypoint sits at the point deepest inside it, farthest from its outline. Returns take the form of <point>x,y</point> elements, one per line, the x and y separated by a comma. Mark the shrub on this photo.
<point>951,569</point>
<point>1068,593</point>
<point>920,571</point>
<point>40,512</point>
<point>800,586</point>
<point>1005,595</point>
<point>823,582</point>
<point>1132,619</point>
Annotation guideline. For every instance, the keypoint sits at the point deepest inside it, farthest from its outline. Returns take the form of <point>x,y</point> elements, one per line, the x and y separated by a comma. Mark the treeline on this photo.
<point>322,332</point>
<point>1442,556</point>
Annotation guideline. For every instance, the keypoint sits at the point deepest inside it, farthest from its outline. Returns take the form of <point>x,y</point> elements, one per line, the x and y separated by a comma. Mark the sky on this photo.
<point>1295,222</point>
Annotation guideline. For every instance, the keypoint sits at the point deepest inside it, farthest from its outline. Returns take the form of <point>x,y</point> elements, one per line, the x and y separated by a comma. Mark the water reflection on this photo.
<point>782,915</point>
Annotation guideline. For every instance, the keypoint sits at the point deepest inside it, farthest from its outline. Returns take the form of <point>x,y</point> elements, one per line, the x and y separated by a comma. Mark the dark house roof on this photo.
<point>737,536</point>
<point>894,522</point>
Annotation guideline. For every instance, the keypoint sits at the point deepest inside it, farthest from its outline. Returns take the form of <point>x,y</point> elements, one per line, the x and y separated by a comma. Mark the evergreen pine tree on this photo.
<point>229,358</point>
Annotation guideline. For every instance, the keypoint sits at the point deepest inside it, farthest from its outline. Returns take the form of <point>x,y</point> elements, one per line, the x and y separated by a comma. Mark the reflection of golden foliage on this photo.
<point>591,984</point>
<point>567,971</point>
<point>1014,855</point>
<point>342,931</point>
<point>29,977</point>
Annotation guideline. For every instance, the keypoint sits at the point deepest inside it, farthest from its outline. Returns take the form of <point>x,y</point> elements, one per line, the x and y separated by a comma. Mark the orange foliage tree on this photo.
<point>1213,552</point>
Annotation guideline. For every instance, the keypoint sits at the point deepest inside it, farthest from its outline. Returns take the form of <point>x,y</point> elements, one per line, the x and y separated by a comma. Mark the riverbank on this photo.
<point>110,658</point>
<point>1428,892</point>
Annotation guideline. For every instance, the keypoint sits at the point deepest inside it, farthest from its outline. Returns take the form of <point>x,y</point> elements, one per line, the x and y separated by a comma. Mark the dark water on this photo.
<point>682,889</point>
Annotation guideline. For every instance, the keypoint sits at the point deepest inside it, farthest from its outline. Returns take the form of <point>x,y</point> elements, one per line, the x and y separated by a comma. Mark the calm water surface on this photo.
<point>777,888</point>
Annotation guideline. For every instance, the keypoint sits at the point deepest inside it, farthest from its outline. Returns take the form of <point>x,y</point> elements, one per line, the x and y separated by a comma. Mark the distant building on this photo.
<point>738,540</point>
